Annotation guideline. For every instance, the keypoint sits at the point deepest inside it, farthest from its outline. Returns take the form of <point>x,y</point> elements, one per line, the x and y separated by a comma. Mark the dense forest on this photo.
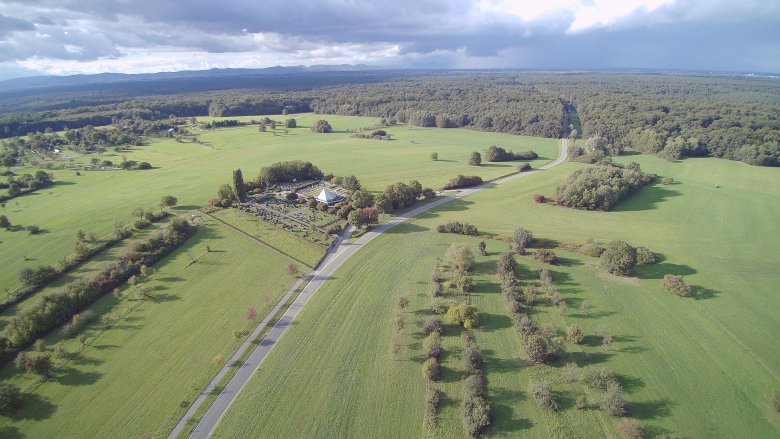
<point>674,116</point>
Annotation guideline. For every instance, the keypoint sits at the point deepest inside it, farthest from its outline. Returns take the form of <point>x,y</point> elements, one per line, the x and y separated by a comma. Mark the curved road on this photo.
<point>332,261</point>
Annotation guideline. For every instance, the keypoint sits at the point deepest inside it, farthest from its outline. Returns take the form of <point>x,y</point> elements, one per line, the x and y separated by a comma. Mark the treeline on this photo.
<point>499,103</point>
<point>57,309</point>
<point>602,186</point>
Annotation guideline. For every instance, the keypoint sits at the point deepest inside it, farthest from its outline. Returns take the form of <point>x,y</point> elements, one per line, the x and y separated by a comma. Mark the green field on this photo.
<point>698,367</point>
<point>192,172</point>
<point>131,378</point>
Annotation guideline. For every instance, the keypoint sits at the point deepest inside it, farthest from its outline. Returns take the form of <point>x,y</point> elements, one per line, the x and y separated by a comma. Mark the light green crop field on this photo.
<point>700,367</point>
<point>192,172</point>
<point>131,378</point>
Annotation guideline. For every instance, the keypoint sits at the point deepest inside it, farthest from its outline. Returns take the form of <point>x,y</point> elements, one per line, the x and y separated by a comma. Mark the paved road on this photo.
<point>337,256</point>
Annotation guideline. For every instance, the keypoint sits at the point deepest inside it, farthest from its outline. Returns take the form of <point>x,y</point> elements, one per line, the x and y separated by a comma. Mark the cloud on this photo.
<point>69,36</point>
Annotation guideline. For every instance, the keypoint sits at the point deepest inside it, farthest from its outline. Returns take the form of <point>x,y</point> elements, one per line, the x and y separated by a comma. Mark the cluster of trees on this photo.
<point>475,409</point>
<point>22,184</point>
<point>322,126</point>
<point>401,195</point>
<point>602,186</point>
<point>618,257</point>
<point>225,123</point>
<point>458,228</point>
<point>500,103</point>
<point>462,181</point>
<point>57,309</point>
<point>285,172</point>
<point>132,165</point>
<point>498,154</point>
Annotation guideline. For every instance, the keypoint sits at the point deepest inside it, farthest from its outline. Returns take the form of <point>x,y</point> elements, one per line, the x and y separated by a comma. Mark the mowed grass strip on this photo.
<point>132,378</point>
<point>192,172</point>
<point>700,367</point>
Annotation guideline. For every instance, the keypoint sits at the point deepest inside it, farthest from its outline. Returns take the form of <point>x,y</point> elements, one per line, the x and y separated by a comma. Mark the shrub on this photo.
<point>667,181</point>
<point>539,198</point>
<point>322,126</point>
<point>434,156</point>
<point>629,429</point>
<point>457,228</point>
<point>543,395</point>
<point>776,400</point>
<point>476,415</point>
<point>440,306</point>
<point>482,246</point>
<point>524,167</point>
<point>536,349</point>
<point>574,334</point>
<point>475,159</point>
<point>570,373</point>
<point>34,229</point>
<point>472,359</point>
<point>545,276</point>
<point>461,314</point>
<point>434,325</point>
<point>432,345</point>
<point>5,222</point>
<point>463,181</point>
<point>40,364</point>
<point>498,154</point>
<point>474,385</point>
<point>599,378</point>
<point>10,398</point>
<point>312,202</point>
<point>590,248</point>
<point>614,401</point>
<point>526,327</point>
<point>506,265</point>
<point>522,237</point>
<point>291,196</point>
<point>675,284</point>
<point>334,229</point>
<point>431,369</point>
<point>644,256</point>
<point>432,397</point>
<point>546,256</point>
<point>619,258</point>
<point>460,257</point>
<point>428,193</point>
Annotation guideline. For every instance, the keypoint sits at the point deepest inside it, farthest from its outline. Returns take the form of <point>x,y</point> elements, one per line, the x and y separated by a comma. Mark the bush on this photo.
<point>458,228</point>
<point>482,246</point>
<point>498,154</point>
<point>434,156</point>
<point>524,167</point>
<point>667,181</point>
<point>141,224</point>
<point>434,325</point>
<point>36,276</point>
<point>614,402</point>
<point>460,257</point>
<point>543,395</point>
<point>334,229</point>
<point>476,415</point>
<point>466,315</point>
<point>522,237</point>
<point>644,256</point>
<point>472,359</point>
<point>34,229</point>
<point>432,397</point>
<point>322,126</point>
<point>675,284</point>
<point>571,373</point>
<point>629,429</point>
<point>590,248</point>
<point>506,265</point>
<point>475,159</point>
<point>463,181</point>
<point>10,398</point>
<point>40,364</point>
<point>599,378</point>
<point>432,345</point>
<point>291,196</point>
<point>776,400</point>
<point>440,306</point>
<point>5,222</point>
<point>546,256</point>
<point>619,258</point>
<point>474,385</point>
<point>526,327</point>
<point>539,198</point>
<point>536,349</point>
<point>574,334</point>
<point>431,369</point>
<point>428,193</point>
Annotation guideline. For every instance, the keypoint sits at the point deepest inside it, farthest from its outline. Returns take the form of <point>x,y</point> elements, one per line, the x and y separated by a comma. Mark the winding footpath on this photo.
<point>335,257</point>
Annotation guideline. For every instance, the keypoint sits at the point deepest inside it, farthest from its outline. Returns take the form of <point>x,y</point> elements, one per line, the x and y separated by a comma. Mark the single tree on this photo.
<point>482,248</point>
<point>475,159</point>
<point>168,201</point>
<point>5,222</point>
<point>619,258</point>
<point>434,156</point>
<point>10,398</point>
<point>251,313</point>
<point>239,189</point>
<point>522,237</point>
<point>293,269</point>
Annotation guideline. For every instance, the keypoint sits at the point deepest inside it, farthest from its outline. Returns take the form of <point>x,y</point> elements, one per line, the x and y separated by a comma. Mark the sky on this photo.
<point>63,37</point>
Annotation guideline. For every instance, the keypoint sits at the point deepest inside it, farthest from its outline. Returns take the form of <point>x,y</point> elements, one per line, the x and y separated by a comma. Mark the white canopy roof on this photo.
<point>329,197</point>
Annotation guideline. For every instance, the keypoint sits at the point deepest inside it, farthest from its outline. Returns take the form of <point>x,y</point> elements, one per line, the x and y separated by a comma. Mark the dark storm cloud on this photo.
<point>715,34</point>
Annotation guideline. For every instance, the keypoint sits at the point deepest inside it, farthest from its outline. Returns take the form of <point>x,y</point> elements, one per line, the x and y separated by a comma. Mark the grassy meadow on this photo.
<point>703,366</point>
<point>132,379</point>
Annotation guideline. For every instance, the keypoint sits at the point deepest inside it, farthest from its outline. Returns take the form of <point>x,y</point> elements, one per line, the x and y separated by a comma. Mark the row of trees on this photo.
<point>498,154</point>
<point>57,309</point>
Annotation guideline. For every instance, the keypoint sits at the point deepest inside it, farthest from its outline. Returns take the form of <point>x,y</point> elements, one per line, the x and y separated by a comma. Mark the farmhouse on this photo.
<point>329,198</point>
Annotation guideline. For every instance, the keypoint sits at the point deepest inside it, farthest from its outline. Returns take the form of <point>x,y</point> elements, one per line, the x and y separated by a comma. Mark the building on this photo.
<point>329,198</point>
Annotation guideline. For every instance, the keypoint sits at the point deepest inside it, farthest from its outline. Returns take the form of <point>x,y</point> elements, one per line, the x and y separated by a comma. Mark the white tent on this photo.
<point>329,198</point>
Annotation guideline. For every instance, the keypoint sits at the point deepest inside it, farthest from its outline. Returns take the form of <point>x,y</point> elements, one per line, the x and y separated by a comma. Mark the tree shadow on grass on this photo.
<point>9,432</point>
<point>629,383</point>
<point>701,293</point>
<point>81,359</point>
<point>658,271</point>
<point>73,377</point>
<point>494,321</point>
<point>34,408</point>
<point>568,262</point>
<point>589,358</point>
<point>505,420</point>
<point>163,297</point>
<point>646,198</point>
<point>651,409</point>
<point>406,228</point>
